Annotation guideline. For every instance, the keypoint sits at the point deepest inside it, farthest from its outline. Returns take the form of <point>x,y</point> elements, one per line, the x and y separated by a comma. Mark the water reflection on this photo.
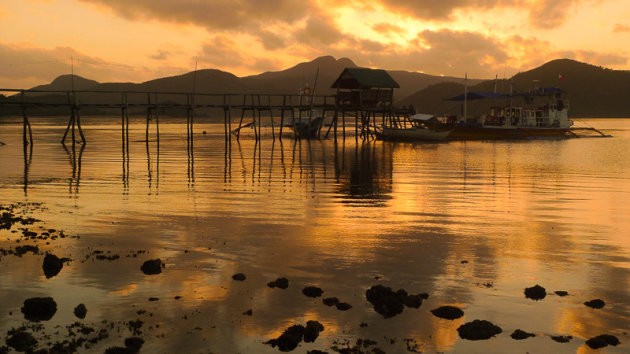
<point>28,159</point>
<point>75,160</point>
<point>368,174</point>
<point>305,210</point>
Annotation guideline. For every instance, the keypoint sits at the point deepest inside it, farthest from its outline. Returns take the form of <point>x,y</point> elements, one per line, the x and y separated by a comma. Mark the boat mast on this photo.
<point>465,96</point>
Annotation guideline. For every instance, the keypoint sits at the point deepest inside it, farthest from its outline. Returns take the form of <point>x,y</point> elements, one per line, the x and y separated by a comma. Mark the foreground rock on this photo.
<point>281,283</point>
<point>602,341</point>
<point>39,308</point>
<point>311,332</point>
<point>289,339</point>
<point>562,339</point>
<point>478,330</point>
<point>21,341</point>
<point>52,265</point>
<point>448,312</point>
<point>312,291</point>
<point>389,303</point>
<point>536,292</point>
<point>596,304</point>
<point>330,301</point>
<point>520,335</point>
<point>134,344</point>
<point>343,306</point>
<point>293,336</point>
<point>152,267</point>
<point>80,311</point>
<point>239,277</point>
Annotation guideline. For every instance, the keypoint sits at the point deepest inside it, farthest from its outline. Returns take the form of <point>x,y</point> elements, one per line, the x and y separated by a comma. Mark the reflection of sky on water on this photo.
<point>333,215</point>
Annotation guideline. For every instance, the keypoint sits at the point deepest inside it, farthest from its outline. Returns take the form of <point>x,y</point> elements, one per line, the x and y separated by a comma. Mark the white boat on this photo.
<point>416,127</point>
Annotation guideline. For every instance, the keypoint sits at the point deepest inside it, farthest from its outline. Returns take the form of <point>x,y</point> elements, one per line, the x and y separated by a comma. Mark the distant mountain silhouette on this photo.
<point>593,91</point>
<point>288,81</point>
<point>64,83</point>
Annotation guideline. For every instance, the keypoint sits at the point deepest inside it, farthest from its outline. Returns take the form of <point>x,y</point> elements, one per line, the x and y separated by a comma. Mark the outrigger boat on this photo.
<point>416,127</point>
<point>543,113</point>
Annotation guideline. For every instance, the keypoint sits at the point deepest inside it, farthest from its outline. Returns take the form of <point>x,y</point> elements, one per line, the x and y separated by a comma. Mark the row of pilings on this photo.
<point>255,111</point>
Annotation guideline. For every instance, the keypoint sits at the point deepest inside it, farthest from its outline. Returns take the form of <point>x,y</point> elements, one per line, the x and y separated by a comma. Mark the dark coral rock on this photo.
<point>311,332</point>
<point>520,335</point>
<point>239,277</point>
<point>478,330</point>
<point>289,339</point>
<point>248,312</point>
<point>596,304</point>
<point>448,312</point>
<point>80,311</point>
<point>134,344</point>
<point>536,292</point>
<point>312,291</point>
<point>414,300</point>
<point>602,341</point>
<point>330,301</point>
<point>562,339</point>
<point>385,301</point>
<point>389,303</point>
<point>52,265</point>
<point>561,293</point>
<point>281,283</point>
<point>343,306</point>
<point>39,308</point>
<point>152,267</point>
<point>21,341</point>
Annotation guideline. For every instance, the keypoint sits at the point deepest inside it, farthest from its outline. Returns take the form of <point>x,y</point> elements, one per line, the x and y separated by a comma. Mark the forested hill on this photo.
<point>593,91</point>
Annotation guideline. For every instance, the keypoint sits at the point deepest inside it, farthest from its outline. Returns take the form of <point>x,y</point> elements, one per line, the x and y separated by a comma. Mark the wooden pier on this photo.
<point>276,112</point>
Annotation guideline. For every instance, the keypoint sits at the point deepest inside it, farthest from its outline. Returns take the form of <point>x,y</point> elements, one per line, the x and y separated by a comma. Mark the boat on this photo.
<point>541,112</point>
<point>537,113</point>
<point>423,127</point>
<point>307,128</point>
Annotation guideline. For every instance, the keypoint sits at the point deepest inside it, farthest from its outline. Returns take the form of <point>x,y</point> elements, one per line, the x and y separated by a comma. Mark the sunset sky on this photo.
<point>139,40</point>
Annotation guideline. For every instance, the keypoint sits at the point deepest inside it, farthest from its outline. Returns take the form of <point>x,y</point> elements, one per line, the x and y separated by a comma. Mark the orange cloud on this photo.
<point>212,14</point>
<point>387,28</point>
<point>620,28</point>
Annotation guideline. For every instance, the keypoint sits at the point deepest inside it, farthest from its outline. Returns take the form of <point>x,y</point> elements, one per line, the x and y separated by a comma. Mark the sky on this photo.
<point>140,40</point>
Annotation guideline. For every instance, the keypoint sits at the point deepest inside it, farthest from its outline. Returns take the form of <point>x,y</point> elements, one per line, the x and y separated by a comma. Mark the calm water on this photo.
<point>341,216</point>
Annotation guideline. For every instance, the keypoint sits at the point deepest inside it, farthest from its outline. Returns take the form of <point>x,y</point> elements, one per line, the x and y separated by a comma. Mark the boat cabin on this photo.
<point>365,88</point>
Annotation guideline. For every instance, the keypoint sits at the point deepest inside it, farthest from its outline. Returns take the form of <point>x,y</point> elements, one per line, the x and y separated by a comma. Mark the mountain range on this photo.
<point>592,91</point>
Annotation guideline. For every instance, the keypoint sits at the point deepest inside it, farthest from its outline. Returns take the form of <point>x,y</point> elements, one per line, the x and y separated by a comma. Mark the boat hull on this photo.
<point>414,134</point>
<point>308,129</point>
<point>488,133</point>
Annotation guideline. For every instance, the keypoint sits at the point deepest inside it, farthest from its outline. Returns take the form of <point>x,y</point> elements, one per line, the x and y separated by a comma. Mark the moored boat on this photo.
<point>543,113</point>
<point>417,127</point>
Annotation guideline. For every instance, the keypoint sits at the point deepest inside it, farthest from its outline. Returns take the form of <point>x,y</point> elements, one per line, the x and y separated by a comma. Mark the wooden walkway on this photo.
<point>261,110</point>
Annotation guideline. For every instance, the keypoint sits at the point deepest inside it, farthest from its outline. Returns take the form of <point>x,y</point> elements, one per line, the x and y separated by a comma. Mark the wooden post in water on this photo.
<point>26,124</point>
<point>149,108</point>
<point>240,122</point>
<point>273,130</point>
<point>65,134</point>
<point>282,110</point>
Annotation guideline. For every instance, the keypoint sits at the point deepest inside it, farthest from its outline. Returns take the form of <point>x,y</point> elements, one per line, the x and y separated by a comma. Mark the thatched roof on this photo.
<point>362,78</point>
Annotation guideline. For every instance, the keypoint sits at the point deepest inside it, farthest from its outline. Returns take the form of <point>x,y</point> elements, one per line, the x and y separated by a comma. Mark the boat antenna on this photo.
<point>194,80</point>
<point>72,72</point>
<point>315,82</point>
<point>465,96</point>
